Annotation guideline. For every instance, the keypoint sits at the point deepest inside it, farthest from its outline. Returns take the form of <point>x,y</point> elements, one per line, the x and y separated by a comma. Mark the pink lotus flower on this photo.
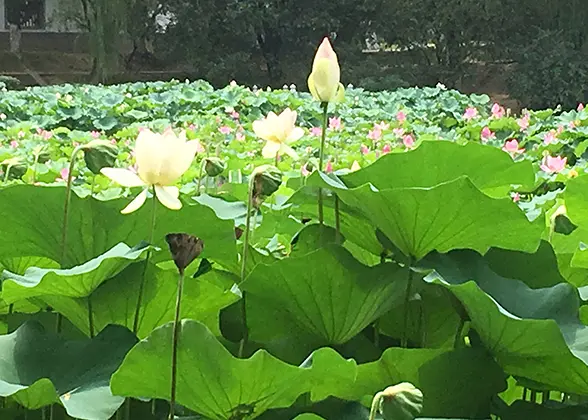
<point>304,170</point>
<point>112,141</point>
<point>549,137</point>
<point>225,130</point>
<point>95,134</point>
<point>316,131</point>
<point>512,147</point>
<point>364,149</point>
<point>398,132</point>
<point>580,107</point>
<point>408,141</point>
<point>235,115</point>
<point>240,136</point>
<point>335,123</point>
<point>374,134</point>
<point>386,149</point>
<point>14,144</point>
<point>381,126</point>
<point>21,134</point>
<point>560,129</point>
<point>44,133</point>
<point>470,113</point>
<point>487,134</point>
<point>523,122</point>
<point>401,117</point>
<point>329,167</point>
<point>192,127</point>
<point>63,175</point>
<point>572,125</point>
<point>552,164</point>
<point>497,111</point>
<point>516,197</point>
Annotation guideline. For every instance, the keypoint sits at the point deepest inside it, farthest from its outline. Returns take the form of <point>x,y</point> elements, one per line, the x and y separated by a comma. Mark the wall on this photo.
<point>54,16</point>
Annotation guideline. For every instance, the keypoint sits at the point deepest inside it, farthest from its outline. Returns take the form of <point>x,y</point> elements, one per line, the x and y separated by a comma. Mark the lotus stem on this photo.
<point>146,267</point>
<point>8,168</point>
<point>175,340</point>
<point>404,339</point>
<point>90,317</point>
<point>200,174</point>
<point>375,404</point>
<point>337,221</point>
<point>245,338</point>
<point>325,106</point>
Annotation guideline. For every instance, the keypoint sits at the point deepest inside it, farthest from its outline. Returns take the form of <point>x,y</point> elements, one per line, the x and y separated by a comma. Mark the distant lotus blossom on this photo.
<point>235,115</point>
<point>364,149</point>
<point>580,107</point>
<point>374,134</point>
<point>381,126</point>
<point>398,132</point>
<point>63,175</point>
<point>549,137</point>
<point>75,143</point>
<point>572,125</point>
<point>44,133</point>
<point>192,127</point>
<point>355,166</point>
<point>487,134</point>
<point>401,117</point>
<point>329,167</point>
<point>225,129</point>
<point>14,144</point>
<point>523,122</point>
<point>240,136</point>
<point>112,141</point>
<point>386,149</point>
<point>335,123</point>
<point>470,113</point>
<point>304,170</point>
<point>3,117</point>
<point>95,134</point>
<point>21,134</point>
<point>552,164</point>
<point>316,131</point>
<point>308,150</point>
<point>218,119</point>
<point>408,141</point>
<point>516,197</point>
<point>512,147</point>
<point>497,111</point>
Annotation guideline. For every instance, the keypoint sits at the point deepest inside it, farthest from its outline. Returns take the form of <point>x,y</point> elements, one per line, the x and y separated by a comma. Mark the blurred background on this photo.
<point>523,53</point>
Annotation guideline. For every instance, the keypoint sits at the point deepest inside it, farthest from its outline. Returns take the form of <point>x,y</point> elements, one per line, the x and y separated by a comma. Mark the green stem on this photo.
<point>337,221</point>
<point>404,340</point>
<point>325,106</point>
<point>8,167</point>
<point>43,413</point>
<point>175,340</point>
<point>200,176</point>
<point>458,341</point>
<point>375,404</point>
<point>147,258</point>
<point>35,163</point>
<point>90,317</point>
<point>376,325</point>
<point>244,265</point>
<point>93,186</point>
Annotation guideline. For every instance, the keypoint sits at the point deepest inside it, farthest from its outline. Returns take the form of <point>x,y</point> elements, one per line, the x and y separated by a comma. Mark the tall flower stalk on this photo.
<point>325,107</point>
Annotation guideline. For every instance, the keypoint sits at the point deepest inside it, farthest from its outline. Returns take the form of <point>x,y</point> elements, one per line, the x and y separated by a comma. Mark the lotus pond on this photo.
<point>437,262</point>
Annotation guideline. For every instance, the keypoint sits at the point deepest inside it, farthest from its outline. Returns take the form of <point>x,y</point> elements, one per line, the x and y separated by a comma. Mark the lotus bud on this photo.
<point>324,81</point>
<point>184,248</point>
<point>214,166</point>
<point>13,168</point>
<point>100,154</point>
<point>266,181</point>
<point>400,402</point>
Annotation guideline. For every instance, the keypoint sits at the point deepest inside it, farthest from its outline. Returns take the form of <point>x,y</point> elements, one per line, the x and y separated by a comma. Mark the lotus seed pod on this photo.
<point>100,154</point>
<point>401,402</point>
<point>214,166</point>
<point>267,180</point>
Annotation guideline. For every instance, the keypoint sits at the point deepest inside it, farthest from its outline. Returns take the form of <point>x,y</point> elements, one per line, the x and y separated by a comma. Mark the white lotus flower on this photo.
<point>279,131</point>
<point>161,160</point>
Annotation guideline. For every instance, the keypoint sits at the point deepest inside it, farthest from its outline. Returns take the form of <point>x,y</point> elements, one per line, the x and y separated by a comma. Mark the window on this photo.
<point>26,14</point>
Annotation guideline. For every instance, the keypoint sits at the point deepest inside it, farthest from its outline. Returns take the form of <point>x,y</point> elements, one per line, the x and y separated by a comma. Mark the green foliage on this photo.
<point>440,262</point>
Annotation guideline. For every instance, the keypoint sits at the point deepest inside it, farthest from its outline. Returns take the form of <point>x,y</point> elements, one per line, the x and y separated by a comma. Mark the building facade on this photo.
<point>38,15</point>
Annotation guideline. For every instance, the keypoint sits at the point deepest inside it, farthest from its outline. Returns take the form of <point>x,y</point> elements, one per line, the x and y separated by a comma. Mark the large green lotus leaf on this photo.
<point>39,368</point>
<point>437,162</point>
<point>96,226</point>
<point>537,270</point>
<point>78,281</point>
<point>449,379</point>
<point>326,293</point>
<point>576,200</point>
<point>114,302</point>
<point>532,333</point>
<point>212,382</point>
<point>448,216</point>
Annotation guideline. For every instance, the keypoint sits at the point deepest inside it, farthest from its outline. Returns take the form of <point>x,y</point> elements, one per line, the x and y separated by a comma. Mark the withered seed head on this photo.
<point>184,248</point>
